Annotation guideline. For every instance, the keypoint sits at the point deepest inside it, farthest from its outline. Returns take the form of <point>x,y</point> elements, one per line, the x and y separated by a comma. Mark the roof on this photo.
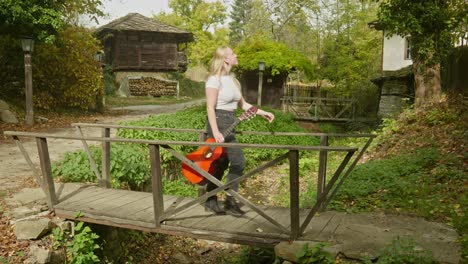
<point>138,22</point>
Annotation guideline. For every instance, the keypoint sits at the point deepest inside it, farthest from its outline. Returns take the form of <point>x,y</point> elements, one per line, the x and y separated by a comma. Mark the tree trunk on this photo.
<point>427,84</point>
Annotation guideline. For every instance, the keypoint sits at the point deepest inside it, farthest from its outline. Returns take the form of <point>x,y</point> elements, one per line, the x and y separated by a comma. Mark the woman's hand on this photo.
<point>218,137</point>
<point>267,115</point>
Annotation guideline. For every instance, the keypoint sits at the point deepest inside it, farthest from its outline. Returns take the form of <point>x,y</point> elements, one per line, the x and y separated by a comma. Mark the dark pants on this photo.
<point>234,158</point>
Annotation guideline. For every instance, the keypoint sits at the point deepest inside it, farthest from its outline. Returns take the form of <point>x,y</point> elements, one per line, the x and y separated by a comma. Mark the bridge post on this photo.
<point>202,188</point>
<point>322,171</point>
<point>156,183</point>
<point>105,179</point>
<point>294,192</point>
<point>44,158</point>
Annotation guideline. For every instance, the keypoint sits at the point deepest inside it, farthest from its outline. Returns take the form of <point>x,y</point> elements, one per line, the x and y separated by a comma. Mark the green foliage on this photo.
<point>129,166</point>
<point>432,31</point>
<point>405,251</point>
<point>278,58</point>
<point>240,16</point>
<point>203,19</point>
<point>314,254</point>
<point>389,183</point>
<point>179,187</point>
<point>81,247</point>
<point>251,254</point>
<point>42,19</point>
<point>77,77</point>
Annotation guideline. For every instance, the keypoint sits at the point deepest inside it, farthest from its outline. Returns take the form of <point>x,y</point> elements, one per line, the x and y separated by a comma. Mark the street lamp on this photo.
<point>261,69</point>
<point>99,57</point>
<point>28,46</point>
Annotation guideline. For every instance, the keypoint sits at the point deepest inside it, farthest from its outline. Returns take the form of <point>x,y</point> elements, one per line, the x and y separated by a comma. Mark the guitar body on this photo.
<point>204,158</point>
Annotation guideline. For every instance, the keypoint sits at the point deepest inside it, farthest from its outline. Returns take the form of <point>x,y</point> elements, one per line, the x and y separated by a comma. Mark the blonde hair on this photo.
<point>218,67</point>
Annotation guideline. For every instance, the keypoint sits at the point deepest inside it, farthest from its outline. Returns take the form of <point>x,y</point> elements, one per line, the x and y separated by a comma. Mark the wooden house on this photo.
<point>396,81</point>
<point>135,43</point>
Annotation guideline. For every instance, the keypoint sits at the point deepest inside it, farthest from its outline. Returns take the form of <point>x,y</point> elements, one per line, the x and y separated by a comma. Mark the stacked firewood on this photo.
<point>145,86</point>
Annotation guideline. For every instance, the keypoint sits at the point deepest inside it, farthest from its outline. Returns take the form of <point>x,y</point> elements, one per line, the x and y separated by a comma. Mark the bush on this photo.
<point>66,74</point>
<point>129,166</point>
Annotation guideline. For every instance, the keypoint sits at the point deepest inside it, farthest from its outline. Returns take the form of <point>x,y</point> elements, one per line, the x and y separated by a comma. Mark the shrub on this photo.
<point>66,74</point>
<point>129,166</point>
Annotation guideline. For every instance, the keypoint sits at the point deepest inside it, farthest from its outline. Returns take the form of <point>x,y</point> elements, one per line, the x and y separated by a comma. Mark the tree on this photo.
<point>42,19</point>
<point>278,57</point>
<point>283,12</point>
<point>240,15</point>
<point>433,27</point>
<point>203,19</point>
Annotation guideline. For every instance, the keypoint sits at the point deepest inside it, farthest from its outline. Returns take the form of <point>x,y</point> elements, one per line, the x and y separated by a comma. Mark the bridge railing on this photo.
<point>319,108</point>
<point>325,190</point>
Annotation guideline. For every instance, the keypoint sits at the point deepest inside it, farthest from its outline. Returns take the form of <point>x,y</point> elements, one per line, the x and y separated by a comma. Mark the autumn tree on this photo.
<point>433,27</point>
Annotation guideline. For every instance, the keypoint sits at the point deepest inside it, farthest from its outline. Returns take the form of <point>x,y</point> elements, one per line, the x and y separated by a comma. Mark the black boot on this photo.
<point>211,205</point>
<point>232,208</point>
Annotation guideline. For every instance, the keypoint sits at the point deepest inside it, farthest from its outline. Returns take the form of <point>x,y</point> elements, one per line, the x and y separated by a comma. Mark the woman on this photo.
<point>223,96</point>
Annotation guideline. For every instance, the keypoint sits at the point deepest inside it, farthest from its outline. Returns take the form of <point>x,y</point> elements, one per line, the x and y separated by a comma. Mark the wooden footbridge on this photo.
<point>156,212</point>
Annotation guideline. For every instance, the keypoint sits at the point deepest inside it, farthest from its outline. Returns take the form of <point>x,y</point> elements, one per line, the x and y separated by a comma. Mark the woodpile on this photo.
<point>144,86</point>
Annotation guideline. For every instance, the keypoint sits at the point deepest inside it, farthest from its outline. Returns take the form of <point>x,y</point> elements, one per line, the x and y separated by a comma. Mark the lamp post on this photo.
<point>261,69</point>
<point>99,57</point>
<point>28,46</point>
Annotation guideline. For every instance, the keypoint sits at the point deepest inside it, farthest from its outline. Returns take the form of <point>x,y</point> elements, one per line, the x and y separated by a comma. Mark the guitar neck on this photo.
<point>231,128</point>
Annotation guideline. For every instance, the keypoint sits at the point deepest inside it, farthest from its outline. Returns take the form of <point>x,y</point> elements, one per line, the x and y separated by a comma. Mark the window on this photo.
<point>407,55</point>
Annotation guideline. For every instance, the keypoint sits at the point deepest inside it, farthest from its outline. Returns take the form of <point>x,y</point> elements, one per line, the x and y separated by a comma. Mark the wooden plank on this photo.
<point>85,196</point>
<point>44,158</point>
<point>76,203</point>
<point>156,182</point>
<point>105,180</point>
<point>322,171</point>
<point>129,202</point>
<point>294,193</point>
<point>98,203</point>
<point>172,230</point>
<point>121,202</point>
<point>190,217</point>
<point>259,226</point>
<point>178,201</point>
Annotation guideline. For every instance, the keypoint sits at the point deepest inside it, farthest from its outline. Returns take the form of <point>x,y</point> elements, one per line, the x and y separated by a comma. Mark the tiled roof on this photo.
<point>138,22</point>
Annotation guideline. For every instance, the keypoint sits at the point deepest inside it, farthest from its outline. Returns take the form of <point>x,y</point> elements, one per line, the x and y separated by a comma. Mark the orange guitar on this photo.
<point>205,156</point>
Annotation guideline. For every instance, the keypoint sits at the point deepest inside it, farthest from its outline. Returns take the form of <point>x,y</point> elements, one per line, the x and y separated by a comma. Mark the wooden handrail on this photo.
<point>179,143</point>
<point>272,133</point>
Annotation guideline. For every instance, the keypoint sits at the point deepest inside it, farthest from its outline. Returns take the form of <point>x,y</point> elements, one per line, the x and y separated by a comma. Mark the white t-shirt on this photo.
<point>228,92</point>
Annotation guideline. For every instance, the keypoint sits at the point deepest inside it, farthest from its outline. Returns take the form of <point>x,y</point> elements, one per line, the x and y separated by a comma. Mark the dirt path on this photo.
<point>14,169</point>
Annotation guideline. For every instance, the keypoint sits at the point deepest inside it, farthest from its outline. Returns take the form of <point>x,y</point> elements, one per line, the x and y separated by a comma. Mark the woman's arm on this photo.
<point>267,115</point>
<point>211,99</point>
